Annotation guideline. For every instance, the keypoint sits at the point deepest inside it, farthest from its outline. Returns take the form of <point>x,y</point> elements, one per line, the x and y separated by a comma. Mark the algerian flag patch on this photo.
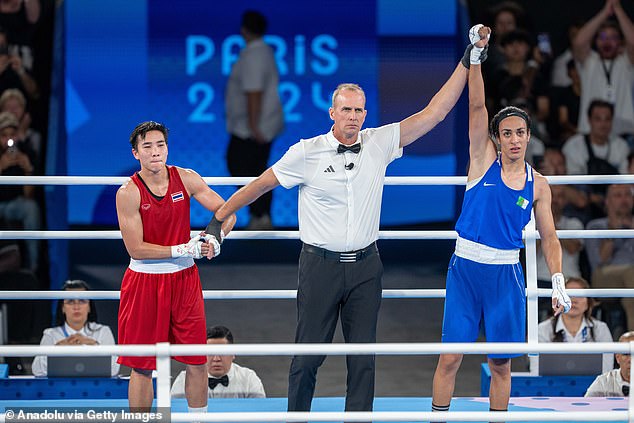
<point>522,202</point>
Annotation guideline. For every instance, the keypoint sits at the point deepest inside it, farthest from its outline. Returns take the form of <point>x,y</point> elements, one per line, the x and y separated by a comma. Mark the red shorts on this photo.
<point>166,307</point>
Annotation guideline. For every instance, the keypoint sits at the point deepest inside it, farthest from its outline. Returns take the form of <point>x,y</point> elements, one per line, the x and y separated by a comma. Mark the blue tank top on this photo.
<point>494,214</point>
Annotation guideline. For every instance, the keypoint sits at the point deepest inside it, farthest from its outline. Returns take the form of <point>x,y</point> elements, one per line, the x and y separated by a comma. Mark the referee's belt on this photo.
<point>344,257</point>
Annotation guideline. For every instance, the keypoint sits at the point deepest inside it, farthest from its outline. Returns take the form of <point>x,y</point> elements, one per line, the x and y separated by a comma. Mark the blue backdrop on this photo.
<point>159,60</point>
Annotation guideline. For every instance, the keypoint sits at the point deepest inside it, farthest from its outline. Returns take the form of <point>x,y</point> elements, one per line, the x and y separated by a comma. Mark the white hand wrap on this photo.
<point>474,37</point>
<point>474,58</point>
<point>191,249</point>
<point>211,240</point>
<point>559,291</point>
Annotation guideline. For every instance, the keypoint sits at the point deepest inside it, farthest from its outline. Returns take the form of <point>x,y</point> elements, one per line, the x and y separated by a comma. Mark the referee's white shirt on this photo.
<point>339,208</point>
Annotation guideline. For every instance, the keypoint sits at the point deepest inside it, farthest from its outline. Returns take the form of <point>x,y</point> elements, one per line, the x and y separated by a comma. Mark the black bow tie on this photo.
<point>626,390</point>
<point>213,382</point>
<point>355,148</point>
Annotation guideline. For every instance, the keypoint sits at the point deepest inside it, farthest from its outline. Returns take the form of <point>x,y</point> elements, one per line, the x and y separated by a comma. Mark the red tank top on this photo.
<point>166,220</point>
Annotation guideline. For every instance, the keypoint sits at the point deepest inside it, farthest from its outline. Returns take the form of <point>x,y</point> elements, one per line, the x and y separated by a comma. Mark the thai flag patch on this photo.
<point>177,196</point>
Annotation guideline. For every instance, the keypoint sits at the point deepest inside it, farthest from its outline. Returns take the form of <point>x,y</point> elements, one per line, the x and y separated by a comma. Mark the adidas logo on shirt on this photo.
<point>329,169</point>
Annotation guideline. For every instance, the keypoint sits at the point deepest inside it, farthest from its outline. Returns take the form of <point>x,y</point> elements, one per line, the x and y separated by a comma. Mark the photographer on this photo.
<point>16,201</point>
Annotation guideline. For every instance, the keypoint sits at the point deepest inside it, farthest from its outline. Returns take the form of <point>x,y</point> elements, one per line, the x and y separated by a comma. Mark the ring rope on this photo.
<point>163,351</point>
<point>234,235</point>
<point>282,294</point>
<point>226,180</point>
<point>412,348</point>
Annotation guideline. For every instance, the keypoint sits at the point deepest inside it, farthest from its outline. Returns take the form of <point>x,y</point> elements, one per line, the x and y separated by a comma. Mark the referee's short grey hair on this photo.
<point>347,86</point>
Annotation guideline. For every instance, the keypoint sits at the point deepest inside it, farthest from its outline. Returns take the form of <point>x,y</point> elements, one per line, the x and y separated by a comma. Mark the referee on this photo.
<point>340,176</point>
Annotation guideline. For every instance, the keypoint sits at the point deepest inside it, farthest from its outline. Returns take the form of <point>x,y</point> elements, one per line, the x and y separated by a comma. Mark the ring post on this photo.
<point>630,411</point>
<point>163,378</point>
<point>531,288</point>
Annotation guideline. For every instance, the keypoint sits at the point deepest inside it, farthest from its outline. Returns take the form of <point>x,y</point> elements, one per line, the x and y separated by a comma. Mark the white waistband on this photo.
<point>481,253</point>
<point>162,265</point>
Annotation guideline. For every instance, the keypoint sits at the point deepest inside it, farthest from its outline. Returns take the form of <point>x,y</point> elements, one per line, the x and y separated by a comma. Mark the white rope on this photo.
<point>117,234</point>
<point>594,293</point>
<point>235,235</point>
<point>285,349</point>
<point>389,180</point>
<point>282,294</point>
<point>400,416</point>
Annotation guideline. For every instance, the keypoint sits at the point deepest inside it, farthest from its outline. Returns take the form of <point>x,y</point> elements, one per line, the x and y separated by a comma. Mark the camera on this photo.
<point>543,43</point>
<point>11,146</point>
<point>4,50</point>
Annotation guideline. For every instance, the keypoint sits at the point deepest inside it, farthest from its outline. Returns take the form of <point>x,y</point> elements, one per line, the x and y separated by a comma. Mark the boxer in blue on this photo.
<point>485,282</point>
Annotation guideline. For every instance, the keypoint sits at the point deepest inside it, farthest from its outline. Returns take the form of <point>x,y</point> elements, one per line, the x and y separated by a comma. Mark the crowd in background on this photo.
<point>24,86</point>
<point>21,145</point>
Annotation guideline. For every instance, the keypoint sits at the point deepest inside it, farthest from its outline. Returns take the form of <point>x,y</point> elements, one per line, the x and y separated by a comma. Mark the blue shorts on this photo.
<point>492,293</point>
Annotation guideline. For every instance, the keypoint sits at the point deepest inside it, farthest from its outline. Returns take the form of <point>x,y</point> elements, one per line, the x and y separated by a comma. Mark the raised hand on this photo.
<point>476,51</point>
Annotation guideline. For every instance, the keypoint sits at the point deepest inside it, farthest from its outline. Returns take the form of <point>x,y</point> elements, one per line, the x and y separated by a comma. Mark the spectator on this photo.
<point>598,152</point>
<point>19,18</point>
<point>12,72</point>
<point>518,81</point>
<point>607,73</point>
<point>577,325</point>
<point>612,259</point>
<point>26,319</point>
<point>506,17</point>
<point>226,378</point>
<point>76,324</point>
<point>16,201</point>
<point>553,163</point>
<point>560,76</point>
<point>29,140</point>
<point>615,383</point>
<point>567,103</point>
<point>254,112</point>
<point>630,164</point>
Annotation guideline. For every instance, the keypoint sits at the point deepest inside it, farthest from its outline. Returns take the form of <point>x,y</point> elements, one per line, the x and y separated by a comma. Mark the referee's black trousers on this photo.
<point>328,289</point>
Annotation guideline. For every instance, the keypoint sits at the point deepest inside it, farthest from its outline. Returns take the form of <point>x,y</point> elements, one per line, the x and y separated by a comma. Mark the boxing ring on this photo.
<point>271,410</point>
